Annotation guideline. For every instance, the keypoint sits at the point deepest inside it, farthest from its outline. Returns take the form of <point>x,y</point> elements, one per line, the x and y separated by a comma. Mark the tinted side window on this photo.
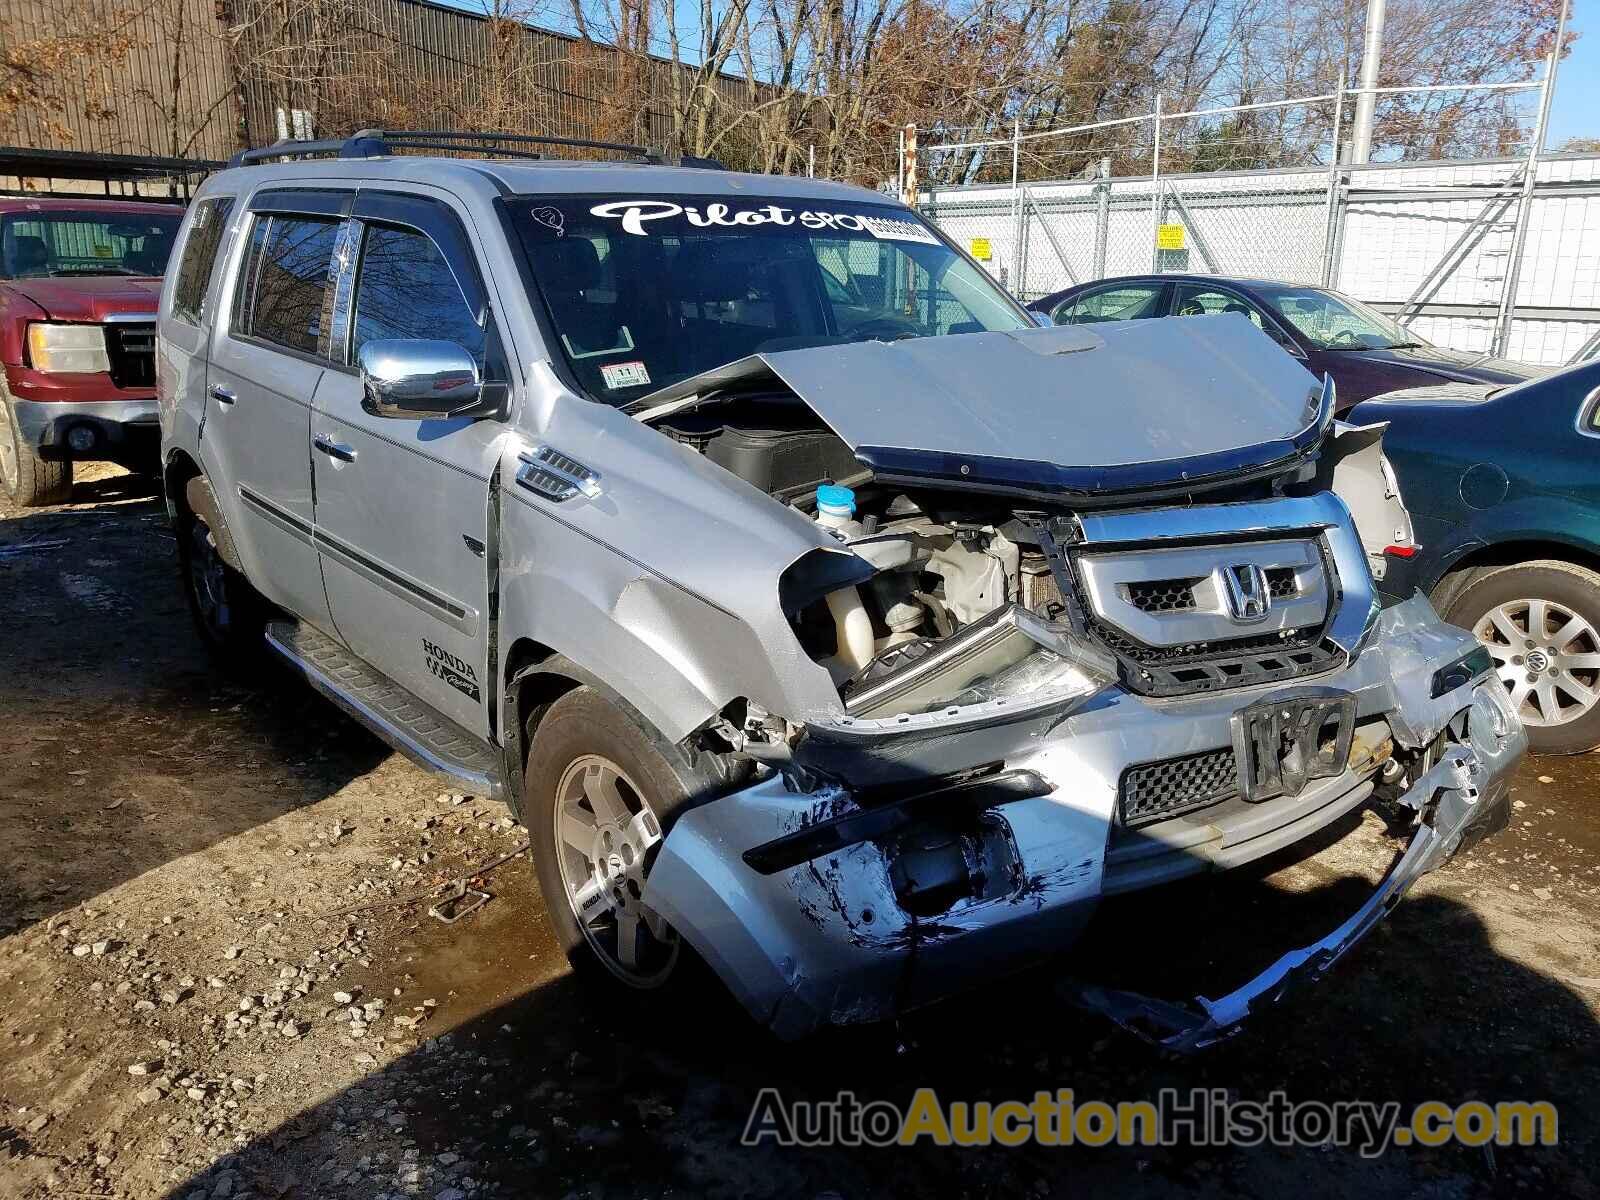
<point>199,256</point>
<point>405,289</point>
<point>283,289</point>
<point>1128,302</point>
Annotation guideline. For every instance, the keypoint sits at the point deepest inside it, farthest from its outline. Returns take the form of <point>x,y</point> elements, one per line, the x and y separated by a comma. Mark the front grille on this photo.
<point>1163,595</point>
<point>1281,582</point>
<point>1155,791</point>
<point>1210,666</point>
<point>132,351</point>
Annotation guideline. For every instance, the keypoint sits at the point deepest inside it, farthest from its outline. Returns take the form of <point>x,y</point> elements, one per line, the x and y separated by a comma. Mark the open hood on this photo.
<point>1126,405</point>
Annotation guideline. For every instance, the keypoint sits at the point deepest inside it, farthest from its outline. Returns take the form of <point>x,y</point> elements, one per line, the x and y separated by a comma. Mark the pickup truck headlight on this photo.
<point>75,348</point>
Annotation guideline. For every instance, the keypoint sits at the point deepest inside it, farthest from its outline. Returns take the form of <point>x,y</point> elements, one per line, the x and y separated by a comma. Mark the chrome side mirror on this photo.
<point>420,378</point>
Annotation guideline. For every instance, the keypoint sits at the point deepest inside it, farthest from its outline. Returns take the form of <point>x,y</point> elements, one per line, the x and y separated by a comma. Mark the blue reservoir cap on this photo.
<point>836,500</point>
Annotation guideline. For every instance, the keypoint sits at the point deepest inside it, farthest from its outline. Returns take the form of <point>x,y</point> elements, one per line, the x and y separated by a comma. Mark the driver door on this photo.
<point>402,504</point>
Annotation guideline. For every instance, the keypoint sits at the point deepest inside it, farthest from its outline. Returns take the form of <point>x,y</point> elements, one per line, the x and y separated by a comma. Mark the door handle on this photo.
<point>222,395</point>
<point>333,449</point>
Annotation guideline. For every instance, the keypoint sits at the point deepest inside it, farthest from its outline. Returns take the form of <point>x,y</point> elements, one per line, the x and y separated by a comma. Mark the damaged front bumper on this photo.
<point>835,905</point>
<point>1459,801</point>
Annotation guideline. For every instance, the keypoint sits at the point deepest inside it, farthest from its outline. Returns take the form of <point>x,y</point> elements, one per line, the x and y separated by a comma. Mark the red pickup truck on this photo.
<point>80,281</point>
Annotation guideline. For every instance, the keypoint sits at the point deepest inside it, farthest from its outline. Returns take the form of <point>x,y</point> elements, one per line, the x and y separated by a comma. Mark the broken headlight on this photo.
<point>1010,654</point>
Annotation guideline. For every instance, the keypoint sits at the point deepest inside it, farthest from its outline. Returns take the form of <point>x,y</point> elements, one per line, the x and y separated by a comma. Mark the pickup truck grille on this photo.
<point>1155,791</point>
<point>132,351</point>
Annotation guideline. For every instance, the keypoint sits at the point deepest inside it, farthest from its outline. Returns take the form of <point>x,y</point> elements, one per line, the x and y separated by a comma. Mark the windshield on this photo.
<point>62,244</point>
<point>644,292</point>
<point>1332,322</point>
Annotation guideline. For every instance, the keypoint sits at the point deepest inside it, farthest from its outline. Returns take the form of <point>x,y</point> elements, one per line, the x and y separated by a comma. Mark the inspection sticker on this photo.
<point>624,375</point>
<point>891,229</point>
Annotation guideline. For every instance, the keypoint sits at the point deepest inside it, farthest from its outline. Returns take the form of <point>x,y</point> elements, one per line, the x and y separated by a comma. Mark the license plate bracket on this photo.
<point>1283,743</point>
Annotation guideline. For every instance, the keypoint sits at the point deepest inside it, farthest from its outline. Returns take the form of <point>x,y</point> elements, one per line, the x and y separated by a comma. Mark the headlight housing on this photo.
<point>68,348</point>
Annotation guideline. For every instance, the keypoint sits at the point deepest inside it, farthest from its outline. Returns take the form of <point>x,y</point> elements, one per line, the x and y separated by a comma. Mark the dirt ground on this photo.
<point>211,984</point>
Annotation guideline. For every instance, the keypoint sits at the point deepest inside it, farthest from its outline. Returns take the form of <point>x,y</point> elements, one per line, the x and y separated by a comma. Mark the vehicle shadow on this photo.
<point>557,1093</point>
<point>112,711</point>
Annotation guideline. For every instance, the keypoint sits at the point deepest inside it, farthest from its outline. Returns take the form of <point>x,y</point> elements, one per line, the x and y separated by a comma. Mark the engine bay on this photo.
<point>964,596</point>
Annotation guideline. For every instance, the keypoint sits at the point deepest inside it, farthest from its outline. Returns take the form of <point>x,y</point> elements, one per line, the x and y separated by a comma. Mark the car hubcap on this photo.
<point>1547,656</point>
<point>8,449</point>
<point>208,578</point>
<point>605,837</point>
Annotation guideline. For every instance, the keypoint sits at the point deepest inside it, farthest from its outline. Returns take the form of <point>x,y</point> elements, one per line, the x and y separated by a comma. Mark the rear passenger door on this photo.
<point>268,359</point>
<point>402,513</point>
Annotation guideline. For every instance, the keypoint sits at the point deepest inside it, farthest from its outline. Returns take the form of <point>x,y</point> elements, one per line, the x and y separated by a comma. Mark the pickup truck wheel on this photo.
<point>30,481</point>
<point>226,609</point>
<point>1541,623</point>
<point>599,794</point>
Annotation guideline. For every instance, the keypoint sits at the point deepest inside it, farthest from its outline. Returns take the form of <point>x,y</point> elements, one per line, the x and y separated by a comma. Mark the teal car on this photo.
<point>1503,486</point>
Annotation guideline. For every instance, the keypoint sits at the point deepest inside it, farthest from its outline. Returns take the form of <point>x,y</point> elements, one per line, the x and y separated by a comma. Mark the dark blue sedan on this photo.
<point>1503,487</point>
<point>1364,351</point>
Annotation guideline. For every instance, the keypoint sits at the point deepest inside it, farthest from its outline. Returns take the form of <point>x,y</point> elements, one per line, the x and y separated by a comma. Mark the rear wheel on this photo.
<point>29,480</point>
<point>600,795</point>
<point>1541,624</point>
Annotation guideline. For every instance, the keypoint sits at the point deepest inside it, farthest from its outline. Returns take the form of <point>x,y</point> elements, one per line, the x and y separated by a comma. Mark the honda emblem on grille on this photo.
<point>1248,597</point>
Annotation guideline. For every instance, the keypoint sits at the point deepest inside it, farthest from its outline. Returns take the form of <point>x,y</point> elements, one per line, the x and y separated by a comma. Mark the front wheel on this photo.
<point>1541,624</point>
<point>29,481</point>
<point>600,794</point>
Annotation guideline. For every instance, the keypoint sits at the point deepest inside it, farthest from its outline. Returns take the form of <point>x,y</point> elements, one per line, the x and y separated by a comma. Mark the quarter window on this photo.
<point>406,289</point>
<point>199,256</point>
<point>284,287</point>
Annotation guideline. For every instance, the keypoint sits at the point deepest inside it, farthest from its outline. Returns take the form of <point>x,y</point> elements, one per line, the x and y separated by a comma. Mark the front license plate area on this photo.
<point>1282,744</point>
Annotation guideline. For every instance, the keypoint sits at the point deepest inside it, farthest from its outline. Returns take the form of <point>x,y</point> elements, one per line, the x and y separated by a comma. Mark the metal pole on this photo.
<point>1016,204</point>
<point>1155,190</point>
<point>900,166</point>
<point>1367,101</point>
<point>1102,224</point>
<point>1519,236</point>
<point>811,160</point>
<point>1333,187</point>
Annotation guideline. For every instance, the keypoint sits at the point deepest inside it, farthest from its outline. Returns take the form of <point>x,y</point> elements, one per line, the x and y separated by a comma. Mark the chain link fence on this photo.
<point>1435,243</point>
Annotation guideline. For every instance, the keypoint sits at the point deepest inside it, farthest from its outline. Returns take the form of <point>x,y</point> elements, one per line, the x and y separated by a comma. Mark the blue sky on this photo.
<point>1576,111</point>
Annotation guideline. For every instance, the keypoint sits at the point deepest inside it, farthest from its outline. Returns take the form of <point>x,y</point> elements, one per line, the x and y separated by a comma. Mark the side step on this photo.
<point>423,734</point>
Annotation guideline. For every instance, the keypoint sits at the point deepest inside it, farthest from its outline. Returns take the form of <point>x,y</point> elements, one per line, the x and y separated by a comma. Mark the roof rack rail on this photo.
<point>376,143</point>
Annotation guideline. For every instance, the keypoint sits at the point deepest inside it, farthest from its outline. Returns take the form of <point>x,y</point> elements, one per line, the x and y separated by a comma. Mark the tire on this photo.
<point>1541,622</point>
<point>29,480</point>
<point>595,772</point>
<point>228,613</point>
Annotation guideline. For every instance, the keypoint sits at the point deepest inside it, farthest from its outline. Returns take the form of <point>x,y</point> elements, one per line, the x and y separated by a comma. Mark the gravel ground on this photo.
<point>216,978</point>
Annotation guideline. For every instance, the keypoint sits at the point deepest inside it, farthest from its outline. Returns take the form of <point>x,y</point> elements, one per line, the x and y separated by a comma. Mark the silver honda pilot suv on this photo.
<point>817,613</point>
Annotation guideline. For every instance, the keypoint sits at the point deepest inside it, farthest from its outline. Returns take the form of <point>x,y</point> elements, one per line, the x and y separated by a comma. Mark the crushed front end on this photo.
<point>1196,687</point>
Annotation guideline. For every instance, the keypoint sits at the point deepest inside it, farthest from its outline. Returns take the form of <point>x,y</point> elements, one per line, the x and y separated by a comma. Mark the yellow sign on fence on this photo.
<point>980,249</point>
<point>1169,237</point>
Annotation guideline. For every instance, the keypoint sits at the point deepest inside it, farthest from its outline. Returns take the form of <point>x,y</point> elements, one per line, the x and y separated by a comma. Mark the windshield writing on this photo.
<point>644,292</point>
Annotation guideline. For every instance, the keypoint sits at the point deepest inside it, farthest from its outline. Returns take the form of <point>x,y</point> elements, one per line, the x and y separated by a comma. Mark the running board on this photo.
<point>423,734</point>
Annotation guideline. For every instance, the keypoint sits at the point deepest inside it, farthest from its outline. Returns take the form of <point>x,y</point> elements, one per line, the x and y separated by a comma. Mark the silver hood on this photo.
<point>1120,406</point>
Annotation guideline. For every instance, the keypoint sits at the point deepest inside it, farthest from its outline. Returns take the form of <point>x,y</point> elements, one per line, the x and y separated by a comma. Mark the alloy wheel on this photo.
<point>605,835</point>
<point>1548,657</point>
